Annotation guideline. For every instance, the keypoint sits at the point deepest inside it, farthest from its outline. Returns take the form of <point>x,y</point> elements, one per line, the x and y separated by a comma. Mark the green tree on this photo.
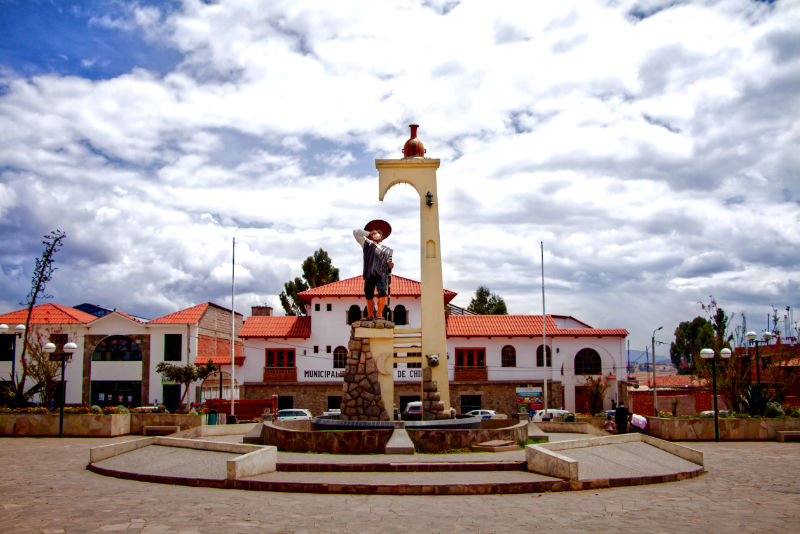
<point>318,270</point>
<point>487,303</point>
<point>690,338</point>
<point>596,390</point>
<point>185,374</point>
<point>15,391</point>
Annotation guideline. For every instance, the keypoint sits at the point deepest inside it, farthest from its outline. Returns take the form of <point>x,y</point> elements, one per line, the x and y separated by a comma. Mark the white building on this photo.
<point>117,353</point>
<point>492,360</point>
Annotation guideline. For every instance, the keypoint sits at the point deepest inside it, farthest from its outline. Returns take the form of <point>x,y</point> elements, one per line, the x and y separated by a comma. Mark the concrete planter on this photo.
<point>185,421</point>
<point>46,424</point>
<point>730,429</point>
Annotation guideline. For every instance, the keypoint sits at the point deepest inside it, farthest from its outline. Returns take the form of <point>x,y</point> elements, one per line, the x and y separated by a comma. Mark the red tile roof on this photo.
<point>354,287</point>
<point>219,360</point>
<point>270,326</point>
<point>676,381</point>
<point>188,316</point>
<point>583,332</point>
<point>48,313</point>
<point>516,325</point>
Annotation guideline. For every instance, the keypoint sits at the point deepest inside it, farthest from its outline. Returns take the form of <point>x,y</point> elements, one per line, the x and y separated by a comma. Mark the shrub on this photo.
<point>82,409</point>
<point>96,409</point>
<point>791,411</point>
<point>755,399</point>
<point>774,409</point>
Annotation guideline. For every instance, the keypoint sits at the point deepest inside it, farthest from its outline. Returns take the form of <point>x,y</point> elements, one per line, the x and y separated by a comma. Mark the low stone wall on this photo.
<point>730,429</point>
<point>185,421</point>
<point>443,440</point>
<point>582,427</point>
<point>374,441</point>
<point>330,441</point>
<point>46,424</point>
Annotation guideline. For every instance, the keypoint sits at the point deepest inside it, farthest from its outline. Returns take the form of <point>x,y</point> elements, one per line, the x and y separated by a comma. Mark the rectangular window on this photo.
<point>334,402</point>
<point>280,357</point>
<point>316,349</point>
<point>172,347</point>
<point>59,340</point>
<point>329,307</point>
<point>316,307</point>
<point>7,347</point>
<point>471,357</point>
<point>328,349</point>
<point>470,402</point>
<point>116,392</point>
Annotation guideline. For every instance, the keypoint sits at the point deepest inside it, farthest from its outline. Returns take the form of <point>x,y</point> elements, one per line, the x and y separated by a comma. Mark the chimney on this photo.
<point>261,311</point>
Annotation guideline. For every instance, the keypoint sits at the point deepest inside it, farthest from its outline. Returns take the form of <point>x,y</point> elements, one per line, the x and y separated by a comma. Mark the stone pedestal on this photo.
<point>367,373</point>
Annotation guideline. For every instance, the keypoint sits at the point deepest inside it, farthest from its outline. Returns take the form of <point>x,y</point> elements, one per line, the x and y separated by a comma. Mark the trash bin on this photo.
<point>212,418</point>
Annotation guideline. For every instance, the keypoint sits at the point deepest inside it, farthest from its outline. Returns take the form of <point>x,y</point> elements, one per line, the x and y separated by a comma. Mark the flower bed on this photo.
<point>46,424</point>
<point>730,428</point>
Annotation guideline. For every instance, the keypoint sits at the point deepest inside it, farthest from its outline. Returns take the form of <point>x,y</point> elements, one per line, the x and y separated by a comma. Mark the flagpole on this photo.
<point>544,336</point>
<point>232,418</point>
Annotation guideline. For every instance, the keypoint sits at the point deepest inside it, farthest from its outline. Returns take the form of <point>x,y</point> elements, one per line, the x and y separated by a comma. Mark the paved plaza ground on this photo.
<point>749,487</point>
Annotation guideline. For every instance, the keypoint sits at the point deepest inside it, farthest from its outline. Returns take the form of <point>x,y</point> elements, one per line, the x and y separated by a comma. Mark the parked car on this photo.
<point>294,414</point>
<point>722,413</point>
<point>539,415</point>
<point>483,414</point>
<point>334,412</point>
<point>412,412</point>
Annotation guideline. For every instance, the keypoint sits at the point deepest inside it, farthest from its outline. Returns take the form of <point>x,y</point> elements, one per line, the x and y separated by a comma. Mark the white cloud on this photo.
<point>651,146</point>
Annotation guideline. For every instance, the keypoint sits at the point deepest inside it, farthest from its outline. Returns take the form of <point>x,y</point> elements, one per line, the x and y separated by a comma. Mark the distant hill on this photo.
<point>641,357</point>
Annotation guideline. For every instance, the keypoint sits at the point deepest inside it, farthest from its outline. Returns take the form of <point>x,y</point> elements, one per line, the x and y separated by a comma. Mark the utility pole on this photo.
<point>655,395</point>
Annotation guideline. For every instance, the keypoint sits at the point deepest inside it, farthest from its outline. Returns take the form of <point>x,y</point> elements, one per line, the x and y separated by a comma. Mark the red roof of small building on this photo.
<point>354,287</point>
<point>516,325</point>
<point>271,326</point>
<point>676,381</point>
<point>187,316</point>
<point>48,313</point>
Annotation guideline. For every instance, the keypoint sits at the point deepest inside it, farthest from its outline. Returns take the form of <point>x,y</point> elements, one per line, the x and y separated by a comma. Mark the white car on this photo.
<point>551,414</point>
<point>332,412</point>
<point>294,414</point>
<point>483,414</point>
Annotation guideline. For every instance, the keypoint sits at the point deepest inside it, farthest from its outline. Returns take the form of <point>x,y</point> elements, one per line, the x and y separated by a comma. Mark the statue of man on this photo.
<point>377,264</point>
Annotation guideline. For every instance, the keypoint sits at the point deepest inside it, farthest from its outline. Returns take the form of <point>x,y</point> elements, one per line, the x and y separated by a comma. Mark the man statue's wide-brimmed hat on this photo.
<point>380,225</point>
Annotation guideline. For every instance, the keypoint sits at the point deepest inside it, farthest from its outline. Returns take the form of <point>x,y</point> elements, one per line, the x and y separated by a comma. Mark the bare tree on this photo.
<point>42,274</point>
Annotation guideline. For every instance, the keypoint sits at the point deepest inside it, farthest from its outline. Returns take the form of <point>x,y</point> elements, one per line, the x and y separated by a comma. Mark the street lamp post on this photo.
<point>709,354</point>
<point>69,348</point>
<point>751,337</point>
<point>655,395</point>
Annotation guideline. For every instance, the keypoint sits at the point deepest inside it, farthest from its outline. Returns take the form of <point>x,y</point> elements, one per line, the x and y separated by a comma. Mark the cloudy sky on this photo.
<point>651,145</point>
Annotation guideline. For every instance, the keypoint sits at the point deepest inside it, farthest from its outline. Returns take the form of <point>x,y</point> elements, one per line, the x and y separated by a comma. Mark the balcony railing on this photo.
<point>280,374</point>
<point>470,373</point>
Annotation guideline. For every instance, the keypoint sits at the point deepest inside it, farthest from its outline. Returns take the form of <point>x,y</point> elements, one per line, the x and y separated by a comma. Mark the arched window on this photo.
<point>587,362</point>
<point>400,315</point>
<point>117,349</point>
<point>508,356</point>
<point>540,357</point>
<point>353,314</point>
<point>339,357</point>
